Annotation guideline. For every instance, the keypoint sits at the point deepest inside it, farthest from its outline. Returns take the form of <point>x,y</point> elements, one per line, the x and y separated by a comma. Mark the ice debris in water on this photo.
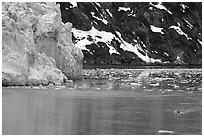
<point>165,132</point>
<point>155,85</point>
<point>135,84</point>
<point>60,87</point>
<point>166,80</point>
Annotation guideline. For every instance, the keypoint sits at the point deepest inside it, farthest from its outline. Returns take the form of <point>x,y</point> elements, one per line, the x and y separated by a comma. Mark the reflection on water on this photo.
<point>32,111</point>
<point>112,101</point>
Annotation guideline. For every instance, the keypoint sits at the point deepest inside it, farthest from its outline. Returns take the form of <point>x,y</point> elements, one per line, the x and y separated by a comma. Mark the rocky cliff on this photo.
<point>37,47</point>
<point>136,33</point>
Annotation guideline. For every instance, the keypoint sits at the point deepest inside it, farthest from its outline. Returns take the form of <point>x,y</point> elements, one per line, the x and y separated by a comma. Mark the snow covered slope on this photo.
<point>135,32</point>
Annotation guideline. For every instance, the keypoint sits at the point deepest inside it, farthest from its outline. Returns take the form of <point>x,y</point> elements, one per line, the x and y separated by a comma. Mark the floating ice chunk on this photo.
<point>35,87</point>
<point>156,29</point>
<point>162,79</point>
<point>165,132</point>
<point>60,87</point>
<point>166,62</point>
<point>154,85</point>
<point>124,9</point>
<point>176,86</point>
<point>160,6</point>
<point>135,84</point>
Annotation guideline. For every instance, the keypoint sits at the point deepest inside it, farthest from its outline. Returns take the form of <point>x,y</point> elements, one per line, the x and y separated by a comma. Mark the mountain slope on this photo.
<point>136,33</point>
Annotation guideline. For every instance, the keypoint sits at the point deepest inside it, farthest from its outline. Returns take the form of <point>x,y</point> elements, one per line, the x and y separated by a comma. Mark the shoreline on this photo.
<point>98,73</point>
<point>141,66</point>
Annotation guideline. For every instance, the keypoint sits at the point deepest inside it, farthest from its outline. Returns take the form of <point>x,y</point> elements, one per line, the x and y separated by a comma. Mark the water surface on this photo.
<point>121,102</point>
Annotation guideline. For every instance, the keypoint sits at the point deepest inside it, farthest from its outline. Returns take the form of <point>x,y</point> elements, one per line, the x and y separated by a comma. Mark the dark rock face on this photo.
<point>136,33</point>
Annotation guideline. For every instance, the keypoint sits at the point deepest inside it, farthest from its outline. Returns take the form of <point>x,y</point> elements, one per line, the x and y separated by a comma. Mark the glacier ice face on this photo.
<point>36,46</point>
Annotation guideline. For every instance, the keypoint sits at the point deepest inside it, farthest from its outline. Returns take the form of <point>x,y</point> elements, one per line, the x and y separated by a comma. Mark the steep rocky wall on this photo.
<point>36,45</point>
<point>168,32</point>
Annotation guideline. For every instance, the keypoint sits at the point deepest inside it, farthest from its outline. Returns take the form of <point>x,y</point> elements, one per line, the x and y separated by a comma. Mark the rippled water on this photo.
<point>113,101</point>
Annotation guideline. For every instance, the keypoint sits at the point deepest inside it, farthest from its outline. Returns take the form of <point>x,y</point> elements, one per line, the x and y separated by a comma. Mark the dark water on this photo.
<point>121,104</point>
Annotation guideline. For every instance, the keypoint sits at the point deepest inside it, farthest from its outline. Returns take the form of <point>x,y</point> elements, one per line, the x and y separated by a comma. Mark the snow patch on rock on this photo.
<point>166,54</point>
<point>156,29</point>
<point>98,4</point>
<point>134,48</point>
<point>124,9</point>
<point>183,7</point>
<point>160,6</point>
<point>103,20</point>
<point>200,41</point>
<point>109,13</point>
<point>189,24</point>
<point>178,30</point>
<point>74,4</point>
<point>97,36</point>
<point>107,37</point>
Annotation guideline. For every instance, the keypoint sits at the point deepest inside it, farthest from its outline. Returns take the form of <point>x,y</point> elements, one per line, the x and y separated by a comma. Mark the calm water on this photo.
<point>144,103</point>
